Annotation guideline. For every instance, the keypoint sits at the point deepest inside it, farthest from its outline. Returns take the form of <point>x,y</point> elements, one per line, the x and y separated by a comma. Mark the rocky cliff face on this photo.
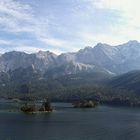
<point>103,57</point>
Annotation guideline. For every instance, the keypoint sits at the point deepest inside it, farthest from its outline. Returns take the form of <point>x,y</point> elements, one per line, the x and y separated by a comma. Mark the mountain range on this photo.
<point>102,57</point>
<point>93,65</point>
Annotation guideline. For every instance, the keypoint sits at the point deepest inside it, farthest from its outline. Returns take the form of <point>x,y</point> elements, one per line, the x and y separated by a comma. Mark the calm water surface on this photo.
<point>67,123</point>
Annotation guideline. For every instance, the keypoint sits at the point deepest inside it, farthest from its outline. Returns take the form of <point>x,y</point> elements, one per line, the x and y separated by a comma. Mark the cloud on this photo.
<point>127,28</point>
<point>94,38</point>
<point>16,18</point>
<point>23,45</point>
<point>28,49</point>
<point>5,42</point>
<point>59,43</point>
<point>52,41</point>
<point>68,26</point>
<point>128,9</point>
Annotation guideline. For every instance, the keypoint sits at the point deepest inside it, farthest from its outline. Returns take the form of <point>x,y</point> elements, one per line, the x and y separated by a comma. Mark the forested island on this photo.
<point>32,107</point>
<point>85,104</point>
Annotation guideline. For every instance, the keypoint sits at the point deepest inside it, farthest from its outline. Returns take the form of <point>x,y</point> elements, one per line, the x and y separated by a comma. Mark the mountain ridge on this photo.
<point>117,59</point>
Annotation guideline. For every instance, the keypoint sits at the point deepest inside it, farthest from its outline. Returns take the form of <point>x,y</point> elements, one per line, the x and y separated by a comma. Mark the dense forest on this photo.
<point>96,86</point>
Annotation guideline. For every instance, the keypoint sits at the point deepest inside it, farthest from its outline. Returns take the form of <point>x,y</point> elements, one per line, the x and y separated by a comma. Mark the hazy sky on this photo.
<point>66,25</point>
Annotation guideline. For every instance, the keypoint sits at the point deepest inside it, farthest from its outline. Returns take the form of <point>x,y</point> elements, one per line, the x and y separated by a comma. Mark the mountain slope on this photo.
<point>14,60</point>
<point>129,81</point>
<point>103,57</point>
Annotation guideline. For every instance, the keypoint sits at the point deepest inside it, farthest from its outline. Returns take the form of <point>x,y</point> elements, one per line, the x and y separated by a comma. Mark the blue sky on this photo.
<point>66,25</point>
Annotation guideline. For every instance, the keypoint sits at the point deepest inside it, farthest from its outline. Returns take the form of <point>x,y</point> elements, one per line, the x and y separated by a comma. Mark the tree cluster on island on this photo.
<point>85,104</point>
<point>33,108</point>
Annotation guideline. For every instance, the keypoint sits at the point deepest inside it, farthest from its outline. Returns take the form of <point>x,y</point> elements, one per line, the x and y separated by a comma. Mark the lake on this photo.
<point>67,123</point>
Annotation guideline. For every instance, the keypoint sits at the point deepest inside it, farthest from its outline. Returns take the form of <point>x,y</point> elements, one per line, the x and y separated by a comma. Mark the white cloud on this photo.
<point>24,46</point>
<point>15,9</point>
<point>17,17</point>
<point>59,44</point>
<point>127,29</point>
<point>53,41</point>
<point>32,49</point>
<point>5,42</point>
<point>28,49</point>
<point>93,38</point>
<point>129,10</point>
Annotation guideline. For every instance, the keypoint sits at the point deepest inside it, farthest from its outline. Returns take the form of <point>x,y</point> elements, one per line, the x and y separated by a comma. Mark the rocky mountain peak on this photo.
<point>115,59</point>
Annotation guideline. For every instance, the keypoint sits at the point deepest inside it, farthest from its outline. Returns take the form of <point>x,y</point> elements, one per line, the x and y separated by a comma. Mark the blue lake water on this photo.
<point>67,123</point>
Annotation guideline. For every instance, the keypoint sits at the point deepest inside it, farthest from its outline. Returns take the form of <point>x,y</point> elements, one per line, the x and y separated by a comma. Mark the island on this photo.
<point>33,108</point>
<point>85,104</point>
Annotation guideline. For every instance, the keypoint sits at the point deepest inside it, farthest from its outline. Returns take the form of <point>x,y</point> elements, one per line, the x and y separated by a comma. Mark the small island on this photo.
<point>33,108</point>
<point>85,104</point>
